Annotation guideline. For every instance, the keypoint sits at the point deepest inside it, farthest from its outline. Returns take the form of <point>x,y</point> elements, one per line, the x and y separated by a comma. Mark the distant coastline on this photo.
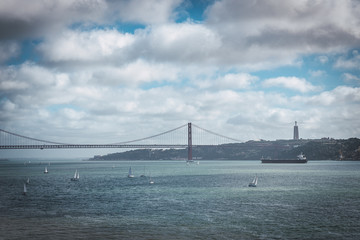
<point>314,149</point>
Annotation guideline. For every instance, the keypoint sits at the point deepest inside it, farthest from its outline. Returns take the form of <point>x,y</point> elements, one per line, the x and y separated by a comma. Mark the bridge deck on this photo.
<point>74,146</point>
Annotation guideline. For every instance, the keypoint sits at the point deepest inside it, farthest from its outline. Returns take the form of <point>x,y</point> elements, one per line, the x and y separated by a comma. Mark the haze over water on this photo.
<point>212,200</point>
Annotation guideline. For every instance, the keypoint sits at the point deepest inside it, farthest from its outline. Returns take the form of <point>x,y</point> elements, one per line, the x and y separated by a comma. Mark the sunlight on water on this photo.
<point>211,200</point>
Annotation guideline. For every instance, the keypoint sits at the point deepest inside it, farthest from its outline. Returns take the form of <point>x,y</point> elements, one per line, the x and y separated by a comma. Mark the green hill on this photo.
<point>317,149</point>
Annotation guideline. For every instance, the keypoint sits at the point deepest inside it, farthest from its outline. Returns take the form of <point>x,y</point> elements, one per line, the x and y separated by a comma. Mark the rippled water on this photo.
<point>318,200</point>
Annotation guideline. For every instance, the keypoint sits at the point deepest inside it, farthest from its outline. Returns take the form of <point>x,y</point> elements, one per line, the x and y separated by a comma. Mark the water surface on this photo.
<point>212,200</point>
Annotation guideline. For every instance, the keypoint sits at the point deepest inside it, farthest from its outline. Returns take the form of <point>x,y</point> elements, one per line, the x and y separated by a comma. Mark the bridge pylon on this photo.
<point>189,142</point>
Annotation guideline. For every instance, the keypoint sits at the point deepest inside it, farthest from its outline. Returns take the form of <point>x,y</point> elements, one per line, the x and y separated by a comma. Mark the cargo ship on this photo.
<point>300,159</point>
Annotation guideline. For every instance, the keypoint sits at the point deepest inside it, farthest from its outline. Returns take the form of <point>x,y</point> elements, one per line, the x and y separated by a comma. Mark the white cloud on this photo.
<point>72,114</point>
<point>88,83</point>
<point>228,81</point>
<point>8,49</point>
<point>27,76</point>
<point>54,9</point>
<point>12,85</point>
<point>317,73</point>
<point>235,33</point>
<point>146,11</point>
<point>244,115</point>
<point>268,32</point>
<point>323,59</point>
<point>333,113</point>
<point>348,77</point>
<point>8,105</point>
<point>24,19</point>
<point>136,73</point>
<point>184,42</point>
<point>349,63</point>
<point>92,46</point>
<point>340,96</point>
<point>293,83</point>
<point>238,40</point>
<point>236,81</point>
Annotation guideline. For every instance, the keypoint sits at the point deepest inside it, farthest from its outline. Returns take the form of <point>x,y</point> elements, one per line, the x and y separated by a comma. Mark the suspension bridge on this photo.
<point>186,136</point>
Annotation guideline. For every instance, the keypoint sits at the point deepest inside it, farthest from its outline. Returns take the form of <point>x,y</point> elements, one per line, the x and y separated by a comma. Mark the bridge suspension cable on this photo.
<point>217,134</point>
<point>174,138</point>
<point>25,137</point>
<point>153,136</point>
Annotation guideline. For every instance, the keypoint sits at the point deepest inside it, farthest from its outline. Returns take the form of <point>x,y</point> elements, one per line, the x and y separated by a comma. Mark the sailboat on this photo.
<point>143,175</point>
<point>76,176</point>
<point>151,181</point>
<point>130,175</point>
<point>28,181</point>
<point>46,171</point>
<point>25,190</point>
<point>254,182</point>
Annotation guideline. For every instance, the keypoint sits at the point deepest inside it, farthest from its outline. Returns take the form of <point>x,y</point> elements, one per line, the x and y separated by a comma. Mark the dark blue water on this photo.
<point>318,200</point>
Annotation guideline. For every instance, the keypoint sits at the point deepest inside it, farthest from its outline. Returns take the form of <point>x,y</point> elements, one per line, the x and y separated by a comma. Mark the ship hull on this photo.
<point>283,161</point>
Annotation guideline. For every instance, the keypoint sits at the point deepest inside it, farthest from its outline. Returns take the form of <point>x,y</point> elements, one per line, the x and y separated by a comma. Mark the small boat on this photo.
<point>254,182</point>
<point>130,175</point>
<point>76,176</point>
<point>46,170</point>
<point>192,161</point>
<point>151,181</point>
<point>28,181</point>
<point>25,190</point>
<point>301,157</point>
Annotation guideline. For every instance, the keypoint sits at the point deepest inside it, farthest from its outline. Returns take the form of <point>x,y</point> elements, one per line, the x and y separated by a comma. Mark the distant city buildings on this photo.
<point>296,131</point>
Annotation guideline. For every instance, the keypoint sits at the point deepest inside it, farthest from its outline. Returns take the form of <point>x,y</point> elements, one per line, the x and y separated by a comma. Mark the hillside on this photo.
<point>317,149</point>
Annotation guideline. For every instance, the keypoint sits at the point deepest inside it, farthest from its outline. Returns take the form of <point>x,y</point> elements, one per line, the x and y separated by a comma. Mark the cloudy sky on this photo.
<point>106,71</point>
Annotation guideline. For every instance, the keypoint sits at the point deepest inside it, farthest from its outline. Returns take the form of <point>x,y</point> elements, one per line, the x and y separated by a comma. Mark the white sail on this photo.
<point>76,176</point>
<point>254,182</point>
<point>25,190</point>
<point>28,181</point>
<point>46,170</point>
<point>130,175</point>
<point>151,181</point>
